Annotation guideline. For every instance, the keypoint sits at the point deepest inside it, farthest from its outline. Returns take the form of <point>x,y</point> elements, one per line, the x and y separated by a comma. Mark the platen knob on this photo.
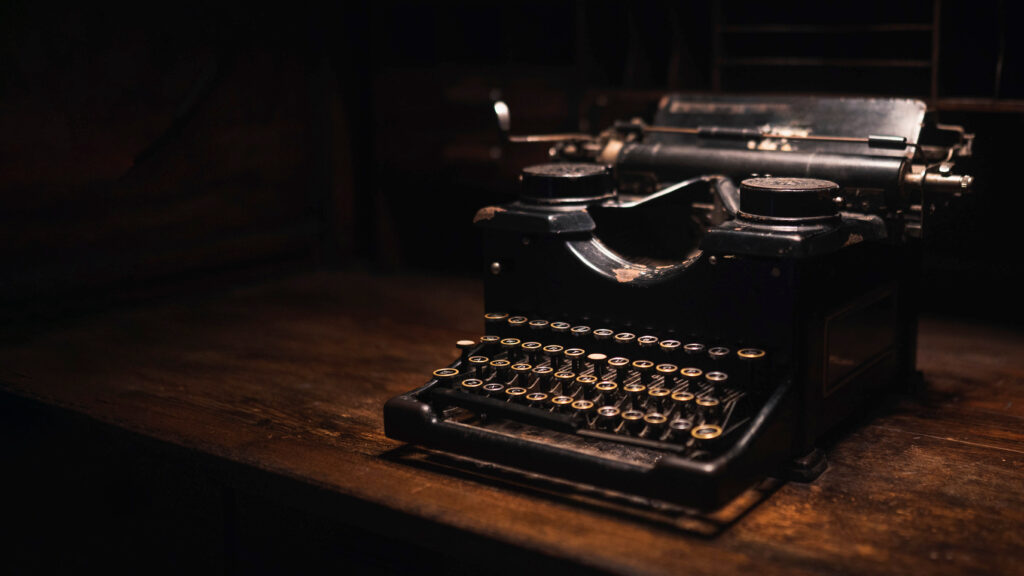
<point>788,199</point>
<point>566,183</point>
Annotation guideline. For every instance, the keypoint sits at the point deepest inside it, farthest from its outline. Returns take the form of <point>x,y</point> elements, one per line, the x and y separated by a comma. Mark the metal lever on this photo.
<point>873,141</point>
<point>505,126</point>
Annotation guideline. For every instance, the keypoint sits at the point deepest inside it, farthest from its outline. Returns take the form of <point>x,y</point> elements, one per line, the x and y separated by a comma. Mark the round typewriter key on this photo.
<point>647,341</point>
<point>603,334</point>
<point>560,327</point>
<point>608,417</point>
<point>515,393</point>
<point>645,368</point>
<point>583,407</point>
<point>679,429</point>
<point>517,325</point>
<point>657,399</point>
<point>565,379</point>
<point>521,373</point>
<point>562,403</point>
<point>620,366</point>
<point>495,322</point>
<point>493,388</point>
<point>575,357</point>
<point>669,346</point>
<point>752,368</point>
<point>625,338</point>
<point>605,390</point>
<point>477,364</point>
<point>464,347</point>
<point>595,361</point>
<point>721,358</point>
<point>693,348</point>
<point>490,343</point>
<point>682,402</point>
<point>707,402</point>
<point>538,324</point>
<point>709,408</point>
<point>501,369</point>
<point>691,374</point>
<point>532,351</point>
<point>655,425</point>
<point>491,317</point>
<point>695,353</point>
<point>632,421</point>
<point>446,375</point>
<point>554,354</point>
<point>586,383</point>
<point>705,433</point>
<point>634,395</point>
<point>511,348</point>
<point>716,378</point>
<point>543,374</point>
<point>667,372</point>
<point>472,384</point>
<point>518,321</point>
<point>536,399</point>
<point>580,331</point>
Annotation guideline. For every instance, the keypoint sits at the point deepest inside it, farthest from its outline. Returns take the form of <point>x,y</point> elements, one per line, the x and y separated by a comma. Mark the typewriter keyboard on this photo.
<point>681,396</point>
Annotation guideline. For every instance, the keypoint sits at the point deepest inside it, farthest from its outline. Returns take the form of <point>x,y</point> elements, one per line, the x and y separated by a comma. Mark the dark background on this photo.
<point>148,150</point>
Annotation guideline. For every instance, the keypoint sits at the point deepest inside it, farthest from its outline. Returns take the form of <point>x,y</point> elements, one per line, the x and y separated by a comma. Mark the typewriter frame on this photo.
<point>831,300</point>
<point>811,310</point>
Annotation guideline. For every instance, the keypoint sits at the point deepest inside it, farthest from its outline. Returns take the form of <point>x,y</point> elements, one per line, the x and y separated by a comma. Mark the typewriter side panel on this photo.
<point>859,335</point>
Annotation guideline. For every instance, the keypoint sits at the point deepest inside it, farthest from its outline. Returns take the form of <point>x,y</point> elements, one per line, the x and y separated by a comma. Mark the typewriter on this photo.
<point>681,309</point>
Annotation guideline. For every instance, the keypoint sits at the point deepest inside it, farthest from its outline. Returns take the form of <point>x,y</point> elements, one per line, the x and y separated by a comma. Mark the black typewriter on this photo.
<point>680,309</point>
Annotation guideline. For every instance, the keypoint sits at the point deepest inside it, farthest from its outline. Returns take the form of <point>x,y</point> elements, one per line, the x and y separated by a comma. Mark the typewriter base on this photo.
<point>424,416</point>
<point>808,467</point>
<point>619,505</point>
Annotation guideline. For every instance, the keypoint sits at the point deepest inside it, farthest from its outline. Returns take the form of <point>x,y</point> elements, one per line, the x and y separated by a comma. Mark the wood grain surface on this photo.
<point>286,379</point>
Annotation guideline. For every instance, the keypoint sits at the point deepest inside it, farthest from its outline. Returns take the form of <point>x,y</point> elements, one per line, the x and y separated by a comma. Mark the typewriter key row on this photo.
<point>565,366</point>
<point>671,426</point>
<point>746,361</point>
<point>641,398</point>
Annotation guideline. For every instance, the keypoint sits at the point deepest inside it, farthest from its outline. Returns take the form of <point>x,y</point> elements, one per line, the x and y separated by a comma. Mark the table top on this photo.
<point>288,377</point>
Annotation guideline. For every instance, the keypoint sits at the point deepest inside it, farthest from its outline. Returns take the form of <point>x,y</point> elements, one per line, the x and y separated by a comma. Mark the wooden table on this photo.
<point>240,430</point>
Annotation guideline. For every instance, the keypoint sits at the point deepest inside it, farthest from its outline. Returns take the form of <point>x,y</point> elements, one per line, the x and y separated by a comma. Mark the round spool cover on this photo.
<point>789,197</point>
<point>557,183</point>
